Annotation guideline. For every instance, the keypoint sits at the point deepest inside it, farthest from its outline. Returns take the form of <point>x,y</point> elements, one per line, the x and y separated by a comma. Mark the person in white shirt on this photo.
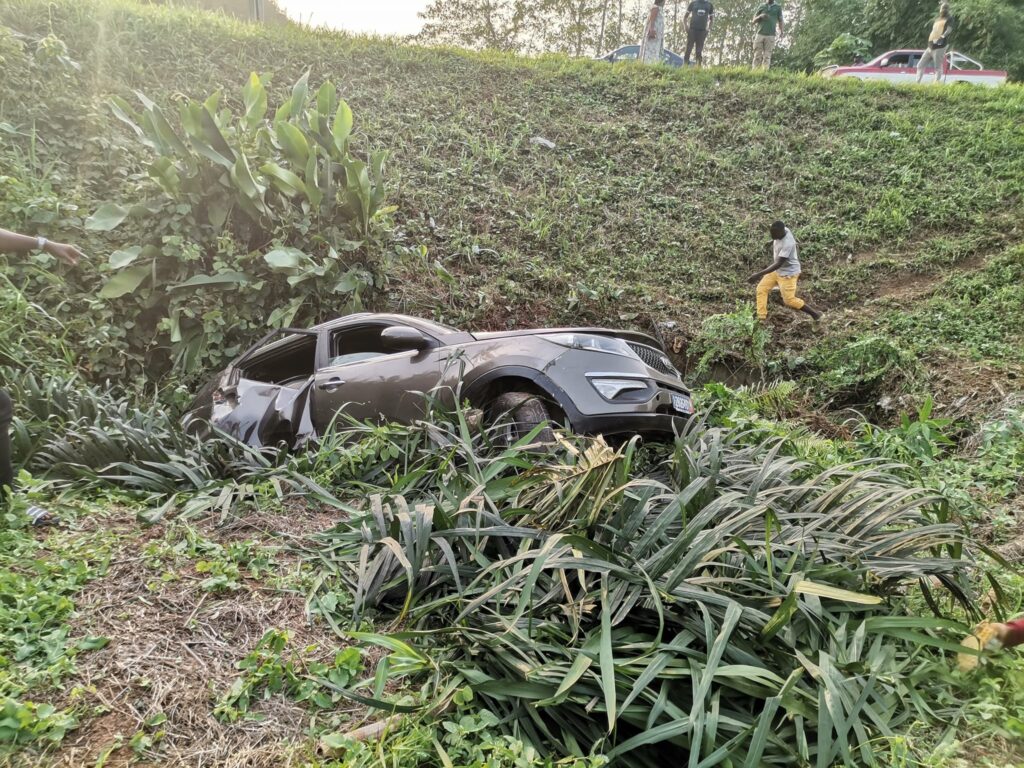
<point>652,43</point>
<point>783,272</point>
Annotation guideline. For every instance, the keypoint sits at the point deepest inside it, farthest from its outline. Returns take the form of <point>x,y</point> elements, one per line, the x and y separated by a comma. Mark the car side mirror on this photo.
<point>884,62</point>
<point>401,338</point>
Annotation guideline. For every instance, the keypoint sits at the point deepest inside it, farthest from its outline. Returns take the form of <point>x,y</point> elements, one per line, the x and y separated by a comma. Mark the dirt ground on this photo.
<point>173,649</point>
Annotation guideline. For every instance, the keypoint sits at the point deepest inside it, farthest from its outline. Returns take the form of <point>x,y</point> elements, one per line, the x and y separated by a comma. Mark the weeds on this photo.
<point>266,672</point>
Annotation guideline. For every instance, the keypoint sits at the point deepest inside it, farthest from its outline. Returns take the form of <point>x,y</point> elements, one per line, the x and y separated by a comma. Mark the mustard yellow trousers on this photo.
<point>787,287</point>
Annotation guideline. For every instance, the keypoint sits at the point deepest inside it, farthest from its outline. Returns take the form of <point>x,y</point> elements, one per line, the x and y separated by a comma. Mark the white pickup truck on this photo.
<point>901,67</point>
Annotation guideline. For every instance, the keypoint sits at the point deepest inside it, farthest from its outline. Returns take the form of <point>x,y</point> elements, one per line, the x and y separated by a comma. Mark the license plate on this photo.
<point>682,404</point>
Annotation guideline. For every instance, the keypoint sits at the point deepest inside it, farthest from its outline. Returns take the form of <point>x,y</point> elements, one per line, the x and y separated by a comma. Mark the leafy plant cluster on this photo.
<point>227,203</point>
<point>974,314</point>
<point>843,50</point>
<point>466,736</point>
<point>863,370</point>
<point>36,653</point>
<point>731,337</point>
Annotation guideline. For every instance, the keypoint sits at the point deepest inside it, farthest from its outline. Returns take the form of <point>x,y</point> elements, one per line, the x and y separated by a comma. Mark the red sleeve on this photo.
<point>1014,633</point>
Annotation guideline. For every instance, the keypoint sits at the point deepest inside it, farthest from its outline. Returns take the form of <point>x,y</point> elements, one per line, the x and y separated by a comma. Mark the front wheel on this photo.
<point>517,414</point>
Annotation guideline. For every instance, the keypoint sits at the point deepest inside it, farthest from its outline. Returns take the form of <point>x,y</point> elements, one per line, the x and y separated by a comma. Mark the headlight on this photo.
<point>592,342</point>
<point>612,388</point>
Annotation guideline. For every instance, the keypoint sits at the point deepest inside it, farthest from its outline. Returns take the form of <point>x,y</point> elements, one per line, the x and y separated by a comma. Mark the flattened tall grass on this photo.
<point>723,607</point>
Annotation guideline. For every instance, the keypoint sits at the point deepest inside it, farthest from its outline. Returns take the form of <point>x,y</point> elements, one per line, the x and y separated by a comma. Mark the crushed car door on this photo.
<point>365,379</point>
<point>264,400</point>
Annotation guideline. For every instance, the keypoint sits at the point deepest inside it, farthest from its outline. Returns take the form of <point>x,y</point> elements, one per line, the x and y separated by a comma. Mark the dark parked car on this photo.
<point>631,52</point>
<point>293,383</point>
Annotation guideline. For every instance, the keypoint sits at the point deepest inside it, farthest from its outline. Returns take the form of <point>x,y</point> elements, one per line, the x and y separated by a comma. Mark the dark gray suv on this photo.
<point>293,384</point>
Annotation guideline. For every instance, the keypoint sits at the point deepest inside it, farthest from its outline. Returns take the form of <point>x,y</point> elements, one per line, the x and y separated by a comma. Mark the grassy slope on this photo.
<point>653,205</point>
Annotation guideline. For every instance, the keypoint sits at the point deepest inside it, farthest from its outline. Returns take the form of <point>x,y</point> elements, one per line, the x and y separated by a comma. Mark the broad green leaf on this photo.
<point>293,142</point>
<point>300,91</point>
<point>285,258</point>
<point>221,278</point>
<point>283,179</point>
<point>342,127</point>
<point>166,174</point>
<point>124,257</point>
<point>124,282</point>
<point>255,97</point>
<point>326,97</point>
<point>246,184</point>
<point>166,133</point>
<point>823,590</point>
<point>107,217</point>
<point>213,136</point>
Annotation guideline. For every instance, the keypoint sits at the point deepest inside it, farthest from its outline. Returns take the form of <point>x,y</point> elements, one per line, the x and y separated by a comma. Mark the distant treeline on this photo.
<point>990,30</point>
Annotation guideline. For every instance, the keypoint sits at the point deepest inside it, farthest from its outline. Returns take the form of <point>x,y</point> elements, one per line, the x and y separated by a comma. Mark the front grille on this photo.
<point>653,358</point>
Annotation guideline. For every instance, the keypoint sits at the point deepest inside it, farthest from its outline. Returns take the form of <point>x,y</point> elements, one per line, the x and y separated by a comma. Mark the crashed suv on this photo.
<point>294,383</point>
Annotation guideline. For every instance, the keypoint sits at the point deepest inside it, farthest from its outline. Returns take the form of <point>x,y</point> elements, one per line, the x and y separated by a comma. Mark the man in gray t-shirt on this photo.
<point>783,272</point>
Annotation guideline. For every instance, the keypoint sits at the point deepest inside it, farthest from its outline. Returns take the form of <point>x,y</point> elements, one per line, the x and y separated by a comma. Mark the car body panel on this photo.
<point>291,389</point>
<point>900,66</point>
<point>356,388</point>
<point>632,53</point>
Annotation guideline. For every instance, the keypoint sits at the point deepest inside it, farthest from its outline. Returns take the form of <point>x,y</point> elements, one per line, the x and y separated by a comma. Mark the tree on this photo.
<point>498,24</point>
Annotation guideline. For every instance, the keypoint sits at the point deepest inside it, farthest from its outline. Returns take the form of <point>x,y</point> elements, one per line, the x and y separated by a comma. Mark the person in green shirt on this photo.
<point>767,19</point>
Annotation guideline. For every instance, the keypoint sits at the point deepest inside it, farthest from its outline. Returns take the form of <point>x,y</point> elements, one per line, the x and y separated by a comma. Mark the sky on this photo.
<point>382,17</point>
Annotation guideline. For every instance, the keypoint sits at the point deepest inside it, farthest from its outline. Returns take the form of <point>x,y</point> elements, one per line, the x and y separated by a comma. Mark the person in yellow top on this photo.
<point>938,42</point>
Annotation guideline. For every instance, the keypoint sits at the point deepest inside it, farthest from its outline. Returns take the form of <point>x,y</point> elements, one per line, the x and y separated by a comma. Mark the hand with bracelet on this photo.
<point>12,242</point>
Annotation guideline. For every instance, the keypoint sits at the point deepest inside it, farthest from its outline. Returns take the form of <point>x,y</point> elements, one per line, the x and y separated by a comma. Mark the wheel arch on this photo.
<point>519,378</point>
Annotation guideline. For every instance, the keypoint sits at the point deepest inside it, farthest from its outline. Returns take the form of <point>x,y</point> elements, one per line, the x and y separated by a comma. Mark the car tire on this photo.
<point>520,413</point>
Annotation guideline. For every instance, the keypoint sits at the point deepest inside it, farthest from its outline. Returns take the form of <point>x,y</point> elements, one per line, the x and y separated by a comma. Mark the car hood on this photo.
<point>635,336</point>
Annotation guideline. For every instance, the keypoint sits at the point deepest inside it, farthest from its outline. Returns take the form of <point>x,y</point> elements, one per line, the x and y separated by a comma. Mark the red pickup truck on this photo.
<point>901,67</point>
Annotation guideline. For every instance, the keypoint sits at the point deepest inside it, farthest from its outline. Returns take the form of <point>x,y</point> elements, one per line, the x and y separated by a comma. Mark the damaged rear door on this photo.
<point>264,396</point>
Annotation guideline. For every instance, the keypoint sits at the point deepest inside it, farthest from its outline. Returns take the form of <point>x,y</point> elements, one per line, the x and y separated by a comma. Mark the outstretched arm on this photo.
<point>12,242</point>
<point>766,271</point>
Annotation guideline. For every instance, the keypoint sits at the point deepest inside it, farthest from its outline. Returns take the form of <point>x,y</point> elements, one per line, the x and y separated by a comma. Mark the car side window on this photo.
<point>282,361</point>
<point>898,61</point>
<point>352,345</point>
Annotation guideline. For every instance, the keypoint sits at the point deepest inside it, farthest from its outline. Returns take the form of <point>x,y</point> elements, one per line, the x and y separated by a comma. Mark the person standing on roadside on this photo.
<point>938,42</point>
<point>783,272</point>
<point>699,14</point>
<point>11,242</point>
<point>767,19</point>
<point>652,43</point>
